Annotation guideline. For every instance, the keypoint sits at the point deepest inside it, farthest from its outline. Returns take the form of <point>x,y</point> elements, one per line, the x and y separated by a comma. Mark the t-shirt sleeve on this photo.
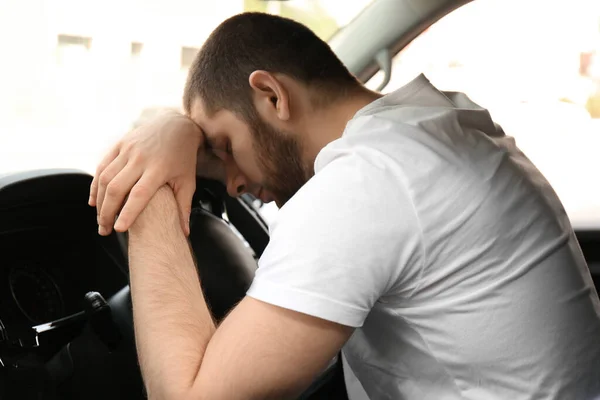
<point>349,237</point>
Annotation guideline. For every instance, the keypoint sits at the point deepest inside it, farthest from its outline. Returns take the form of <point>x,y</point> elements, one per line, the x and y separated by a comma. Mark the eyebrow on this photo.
<point>208,142</point>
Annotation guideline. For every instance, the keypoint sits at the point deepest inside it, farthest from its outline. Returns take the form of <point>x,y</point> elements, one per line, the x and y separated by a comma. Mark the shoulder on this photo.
<point>348,178</point>
<point>354,224</point>
<point>358,200</point>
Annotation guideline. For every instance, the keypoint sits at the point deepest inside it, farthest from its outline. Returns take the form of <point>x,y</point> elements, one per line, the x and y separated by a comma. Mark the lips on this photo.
<point>258,194</point>
<point>263,196</point>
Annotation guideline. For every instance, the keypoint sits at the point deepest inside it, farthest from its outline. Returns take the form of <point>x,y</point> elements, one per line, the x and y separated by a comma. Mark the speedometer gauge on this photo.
<point>36,294</point>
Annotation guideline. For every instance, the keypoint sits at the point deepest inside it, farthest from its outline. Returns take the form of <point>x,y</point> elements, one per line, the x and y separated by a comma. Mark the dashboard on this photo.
<point>50,252</point>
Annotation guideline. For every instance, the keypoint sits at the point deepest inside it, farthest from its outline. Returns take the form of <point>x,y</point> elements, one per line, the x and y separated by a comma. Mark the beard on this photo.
<point>279,156</point>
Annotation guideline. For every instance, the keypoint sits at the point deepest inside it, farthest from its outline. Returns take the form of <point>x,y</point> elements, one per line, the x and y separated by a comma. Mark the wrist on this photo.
<point>181,125</point>
<point>190,128</point>
<point>160,215</point>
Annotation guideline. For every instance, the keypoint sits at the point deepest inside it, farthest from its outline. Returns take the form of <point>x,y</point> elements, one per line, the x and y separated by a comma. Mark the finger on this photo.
<point>115,194</point>
<point>109,158</point>
<point>184,196</point>
<point>106,178</point>
<point>138,199</point>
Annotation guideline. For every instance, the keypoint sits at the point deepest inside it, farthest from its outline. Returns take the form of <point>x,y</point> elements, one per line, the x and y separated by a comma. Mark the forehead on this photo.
<point>197,112</point>
<point>221,122</point>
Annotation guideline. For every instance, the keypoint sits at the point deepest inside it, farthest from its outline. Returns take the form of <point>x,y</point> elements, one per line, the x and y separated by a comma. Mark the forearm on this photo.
<point>173,325</point>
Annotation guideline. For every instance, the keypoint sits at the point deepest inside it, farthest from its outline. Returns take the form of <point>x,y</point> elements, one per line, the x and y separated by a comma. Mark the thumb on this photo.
<point>184,196</point>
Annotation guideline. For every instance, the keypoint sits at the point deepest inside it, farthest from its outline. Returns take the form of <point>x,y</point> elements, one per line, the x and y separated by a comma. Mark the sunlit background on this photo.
<point>535,65</point>
<point>77,74</point>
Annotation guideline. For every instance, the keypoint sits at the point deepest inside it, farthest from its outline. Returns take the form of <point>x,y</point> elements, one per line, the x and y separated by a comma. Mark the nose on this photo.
<point>236,184</point>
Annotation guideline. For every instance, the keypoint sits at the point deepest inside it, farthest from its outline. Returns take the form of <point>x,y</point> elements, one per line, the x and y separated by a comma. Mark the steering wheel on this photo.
<point>101,362</point>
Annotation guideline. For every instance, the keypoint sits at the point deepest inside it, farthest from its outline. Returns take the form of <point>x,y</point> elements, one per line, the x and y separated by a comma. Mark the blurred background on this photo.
<point>77,74</point>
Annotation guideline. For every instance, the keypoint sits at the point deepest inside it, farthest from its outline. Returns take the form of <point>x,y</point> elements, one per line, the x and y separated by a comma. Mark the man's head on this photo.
<point>256,88</point>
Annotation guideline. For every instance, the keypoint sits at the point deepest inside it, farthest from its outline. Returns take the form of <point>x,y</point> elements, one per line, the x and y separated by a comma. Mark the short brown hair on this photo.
<point>253,41</point>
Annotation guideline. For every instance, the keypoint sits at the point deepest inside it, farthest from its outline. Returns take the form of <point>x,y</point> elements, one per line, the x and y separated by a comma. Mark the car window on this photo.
<point>535,65</point>
<point>77,74</point>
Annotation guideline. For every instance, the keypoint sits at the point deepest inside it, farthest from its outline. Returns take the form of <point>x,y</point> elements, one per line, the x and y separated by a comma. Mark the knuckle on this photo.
<point>140,191</point>
<point>99,169</point>
<point>104,179</point>
<point>126,146</point>
<point>138,157</point>
<point>104,218</point>
<point>113,189</point>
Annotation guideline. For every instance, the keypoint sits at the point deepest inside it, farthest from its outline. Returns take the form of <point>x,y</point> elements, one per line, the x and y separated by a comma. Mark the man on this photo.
<point>413,235</point>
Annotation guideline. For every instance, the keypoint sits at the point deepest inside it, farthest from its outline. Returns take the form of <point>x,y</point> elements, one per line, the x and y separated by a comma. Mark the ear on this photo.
<point>270,95</point>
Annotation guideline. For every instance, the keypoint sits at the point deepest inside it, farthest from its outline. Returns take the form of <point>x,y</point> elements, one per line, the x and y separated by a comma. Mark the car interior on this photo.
<point>66,326</point>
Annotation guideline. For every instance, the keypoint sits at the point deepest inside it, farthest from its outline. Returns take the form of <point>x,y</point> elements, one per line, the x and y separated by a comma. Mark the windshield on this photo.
<point>78,74</point>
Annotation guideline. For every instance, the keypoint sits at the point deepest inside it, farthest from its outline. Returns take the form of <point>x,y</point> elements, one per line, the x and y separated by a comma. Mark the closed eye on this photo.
<point>219,150</point>
<point>215,147</point>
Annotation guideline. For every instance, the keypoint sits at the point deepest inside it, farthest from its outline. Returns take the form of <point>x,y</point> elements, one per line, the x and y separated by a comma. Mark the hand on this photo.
<point>163,152</point>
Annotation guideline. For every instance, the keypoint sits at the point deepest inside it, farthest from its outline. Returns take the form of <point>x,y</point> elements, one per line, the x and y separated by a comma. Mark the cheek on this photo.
<point>248,165</point>
<point>247,157</point>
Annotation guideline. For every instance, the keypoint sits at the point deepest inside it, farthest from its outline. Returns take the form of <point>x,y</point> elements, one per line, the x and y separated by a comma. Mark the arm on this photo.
<point>260,351</point>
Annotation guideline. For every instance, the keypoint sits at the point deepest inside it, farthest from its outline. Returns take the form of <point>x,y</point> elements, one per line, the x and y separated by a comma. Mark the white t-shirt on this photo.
<point>428,230</point>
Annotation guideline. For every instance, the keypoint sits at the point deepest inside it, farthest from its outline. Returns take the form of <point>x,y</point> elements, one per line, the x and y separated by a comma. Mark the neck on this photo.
<point>325,125</point>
